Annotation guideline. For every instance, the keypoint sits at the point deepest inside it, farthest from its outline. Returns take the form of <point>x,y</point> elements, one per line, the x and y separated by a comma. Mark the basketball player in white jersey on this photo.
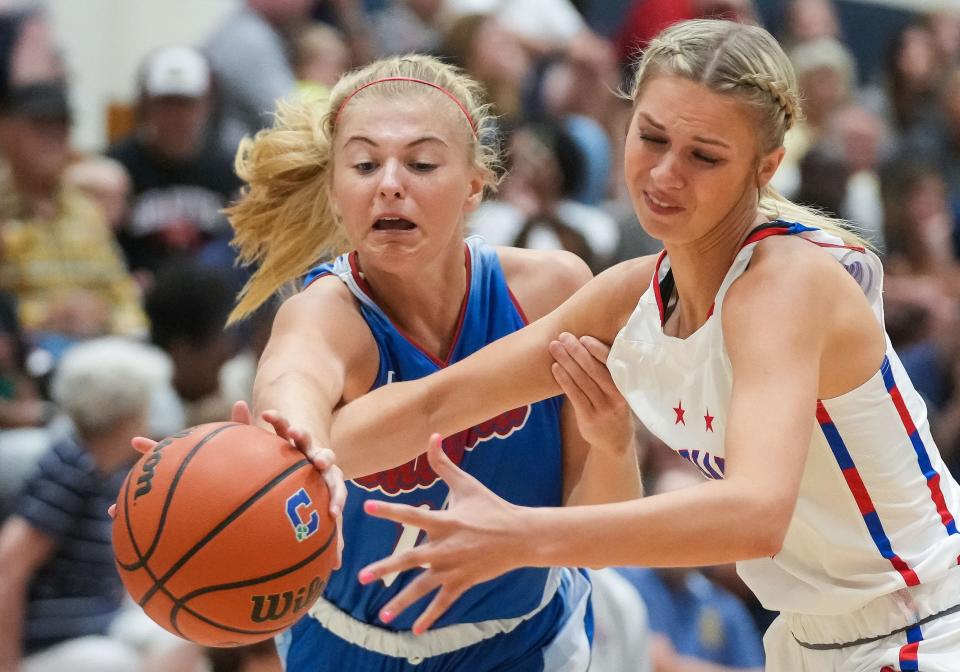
<point>754,346</point>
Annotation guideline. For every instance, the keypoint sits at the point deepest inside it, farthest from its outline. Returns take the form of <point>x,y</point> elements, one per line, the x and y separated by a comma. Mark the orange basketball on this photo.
<point>223,534</point>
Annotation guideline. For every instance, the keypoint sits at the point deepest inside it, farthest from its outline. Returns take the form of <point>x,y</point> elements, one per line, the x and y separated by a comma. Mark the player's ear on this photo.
<point>475,192</point>
<point>768,166</point>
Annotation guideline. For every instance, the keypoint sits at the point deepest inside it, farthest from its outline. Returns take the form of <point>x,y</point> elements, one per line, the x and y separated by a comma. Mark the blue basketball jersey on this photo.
<point>518,454</point>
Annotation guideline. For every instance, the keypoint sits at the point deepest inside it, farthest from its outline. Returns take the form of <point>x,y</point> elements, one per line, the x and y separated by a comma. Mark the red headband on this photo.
<point>439,88</point>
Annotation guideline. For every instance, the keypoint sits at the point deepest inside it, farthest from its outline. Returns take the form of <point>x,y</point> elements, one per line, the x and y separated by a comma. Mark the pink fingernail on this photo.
<point>418,629</point>
<point>370,506</point>
<point>365,576</point>
<point>386,616</point>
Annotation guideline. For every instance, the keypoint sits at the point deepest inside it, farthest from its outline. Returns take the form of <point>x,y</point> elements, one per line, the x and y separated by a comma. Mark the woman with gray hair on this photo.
<point>60,591</point>
<point>754,346</point>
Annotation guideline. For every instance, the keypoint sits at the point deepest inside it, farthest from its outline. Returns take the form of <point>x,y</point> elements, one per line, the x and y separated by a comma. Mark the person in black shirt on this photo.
<point>180,180</point>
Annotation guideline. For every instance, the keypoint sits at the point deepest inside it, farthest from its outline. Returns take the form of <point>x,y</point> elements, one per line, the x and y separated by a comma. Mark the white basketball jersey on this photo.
<point>876,505</point>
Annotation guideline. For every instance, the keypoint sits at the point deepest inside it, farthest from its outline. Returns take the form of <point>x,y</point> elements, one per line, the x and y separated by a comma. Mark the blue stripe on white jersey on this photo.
<point>517,454</point>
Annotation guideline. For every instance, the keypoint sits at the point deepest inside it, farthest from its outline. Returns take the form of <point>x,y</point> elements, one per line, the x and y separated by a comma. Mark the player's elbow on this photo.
<point>768,524</point>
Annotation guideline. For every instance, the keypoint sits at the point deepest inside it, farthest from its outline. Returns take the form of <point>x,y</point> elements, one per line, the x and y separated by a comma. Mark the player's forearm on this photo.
<point>608,476</point>
<point>13,594</point>
<point>710,524</point>
<point>383,429</point>
<point>302,399</point>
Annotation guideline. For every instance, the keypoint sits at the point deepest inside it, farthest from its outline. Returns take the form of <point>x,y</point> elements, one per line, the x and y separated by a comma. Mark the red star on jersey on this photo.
<point>708,419</point>
<point>680,410</point>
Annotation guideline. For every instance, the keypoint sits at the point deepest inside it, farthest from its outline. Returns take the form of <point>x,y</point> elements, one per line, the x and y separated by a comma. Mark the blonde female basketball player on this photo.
<point>754,346</point>
<point>389,168</point>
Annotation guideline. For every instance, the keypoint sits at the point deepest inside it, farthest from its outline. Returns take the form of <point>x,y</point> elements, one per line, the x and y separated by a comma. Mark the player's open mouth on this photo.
<point>393,224</point>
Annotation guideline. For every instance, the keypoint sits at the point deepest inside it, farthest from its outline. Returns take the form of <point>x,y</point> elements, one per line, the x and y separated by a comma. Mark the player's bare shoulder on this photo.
<point>542,279</point>
<point>791,264</point>
<point>324,320</point>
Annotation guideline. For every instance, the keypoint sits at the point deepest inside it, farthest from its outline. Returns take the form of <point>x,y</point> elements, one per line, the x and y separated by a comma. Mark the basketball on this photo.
<point>223,534</point>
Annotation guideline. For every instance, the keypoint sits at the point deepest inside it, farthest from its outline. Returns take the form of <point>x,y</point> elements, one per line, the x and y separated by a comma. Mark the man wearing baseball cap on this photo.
<point>181,177</point>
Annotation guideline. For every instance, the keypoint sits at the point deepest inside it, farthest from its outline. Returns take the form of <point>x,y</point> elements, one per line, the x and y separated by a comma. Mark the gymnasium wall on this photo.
<point>104,40</point>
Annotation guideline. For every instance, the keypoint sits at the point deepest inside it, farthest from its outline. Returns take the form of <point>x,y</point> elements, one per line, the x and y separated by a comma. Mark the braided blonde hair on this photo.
<point>284,222</point>
<point>744,61</point>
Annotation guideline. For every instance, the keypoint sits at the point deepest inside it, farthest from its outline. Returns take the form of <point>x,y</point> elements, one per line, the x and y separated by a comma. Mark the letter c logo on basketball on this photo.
<point>304,529</point>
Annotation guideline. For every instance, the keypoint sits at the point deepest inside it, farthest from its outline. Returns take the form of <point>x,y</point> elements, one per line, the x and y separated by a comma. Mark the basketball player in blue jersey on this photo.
<point>389,168</point>
<point>754,347</point>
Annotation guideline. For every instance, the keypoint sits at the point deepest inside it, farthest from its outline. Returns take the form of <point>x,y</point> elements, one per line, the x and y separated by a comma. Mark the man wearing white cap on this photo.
<point>181,180</point>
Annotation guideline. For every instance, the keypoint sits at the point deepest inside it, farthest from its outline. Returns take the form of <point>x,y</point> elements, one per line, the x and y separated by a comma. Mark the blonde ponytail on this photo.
<point>283,223</point>
<point>776,206</point>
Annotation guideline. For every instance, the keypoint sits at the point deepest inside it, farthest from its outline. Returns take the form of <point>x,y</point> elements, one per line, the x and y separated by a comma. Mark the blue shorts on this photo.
<point>556,638</point>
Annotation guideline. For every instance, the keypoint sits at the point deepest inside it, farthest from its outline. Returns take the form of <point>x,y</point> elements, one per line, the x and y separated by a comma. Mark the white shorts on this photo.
<point>919,639</point>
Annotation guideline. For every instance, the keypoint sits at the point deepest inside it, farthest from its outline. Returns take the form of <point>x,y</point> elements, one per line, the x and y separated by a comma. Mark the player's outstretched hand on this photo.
<point>476,539</point>
<point>580,368</point>
<point>323,460</point>
<point>239,413</point>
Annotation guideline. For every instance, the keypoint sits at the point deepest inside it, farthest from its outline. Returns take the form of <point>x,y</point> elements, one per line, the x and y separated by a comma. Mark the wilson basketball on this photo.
<point>223,534</point>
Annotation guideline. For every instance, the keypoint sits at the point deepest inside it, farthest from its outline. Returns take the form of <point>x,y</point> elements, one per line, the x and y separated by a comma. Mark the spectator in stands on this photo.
<point>320,57</point>
<point>58,586</point>
<point>188,308</point>
<point>826,74</point>
<point>249,57</point>
<point>180,181</point>
<point>809,20</point>
<point>922,284</point>
<point>406,26</point>
<point>541,26</point>
<point>20,402</point>
<point>490,53</point>
<point>945,25</point>
<point>535,209</point>
<point>646,18</point>
<point>697,621</point>
<point>106,181</point>
<point>905,96</point>
<point>938,141</point>
<point>862,141</point>
<point>59,258</point>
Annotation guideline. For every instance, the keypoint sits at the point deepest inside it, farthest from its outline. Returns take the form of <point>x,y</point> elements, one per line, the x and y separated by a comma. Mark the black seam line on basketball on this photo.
<point>136,549</point>
<point>181,603</point>
<point>236,513</point>
<point>141,559</point>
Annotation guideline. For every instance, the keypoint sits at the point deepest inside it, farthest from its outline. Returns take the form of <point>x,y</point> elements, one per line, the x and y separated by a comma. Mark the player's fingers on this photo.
<point>596,347</point>
<point>600,352</point>
<point>400,513</point>
<point>279,423</point>
<point>241,413</point>
<point>322,458</point>
<point>418,556</point>
<point>571,389</point>
<point>444,466</point>
<point>563,354</point>
<point>333,477</point>
<point>413,591</point>
<point>112,511</point>
<point>339,562</point>
<point>591,365</point>
<point>438,607</point>
<point>142,444</point>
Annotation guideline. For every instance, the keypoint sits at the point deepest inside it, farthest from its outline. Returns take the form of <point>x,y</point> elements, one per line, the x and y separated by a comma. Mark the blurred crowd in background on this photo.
<point>128,248</point>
